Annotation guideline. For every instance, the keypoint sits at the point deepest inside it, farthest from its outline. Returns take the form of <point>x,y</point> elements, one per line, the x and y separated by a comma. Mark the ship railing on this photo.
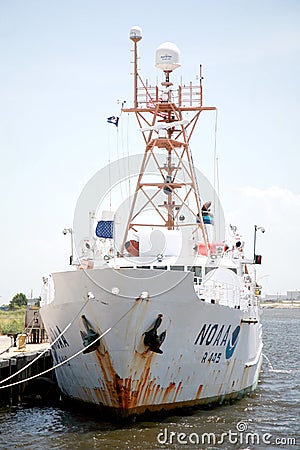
<point>48,291</point>
<point>219,293</point>
<point>184,96</point>
<point>250,300</point>
<point>190,95</point>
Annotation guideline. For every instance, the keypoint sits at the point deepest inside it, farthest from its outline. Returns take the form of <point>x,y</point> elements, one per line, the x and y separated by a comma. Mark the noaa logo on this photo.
<point>232,343</point>
<point>217,337</point>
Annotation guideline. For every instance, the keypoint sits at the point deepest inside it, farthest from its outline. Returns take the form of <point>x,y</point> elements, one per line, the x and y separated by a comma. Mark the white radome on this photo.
<point>135,33</point>
<point>167,57</point>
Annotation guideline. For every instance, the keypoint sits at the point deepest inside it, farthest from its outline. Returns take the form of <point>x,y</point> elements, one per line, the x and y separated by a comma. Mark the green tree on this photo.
<point>17,301</point>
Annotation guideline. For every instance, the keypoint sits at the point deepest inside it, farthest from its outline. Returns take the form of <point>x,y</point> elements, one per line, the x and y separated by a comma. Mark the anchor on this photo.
<point>89,336</point>
<point>152,339</point>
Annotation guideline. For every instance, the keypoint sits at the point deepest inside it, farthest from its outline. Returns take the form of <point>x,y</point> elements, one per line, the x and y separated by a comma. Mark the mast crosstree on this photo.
<point>161,114</point>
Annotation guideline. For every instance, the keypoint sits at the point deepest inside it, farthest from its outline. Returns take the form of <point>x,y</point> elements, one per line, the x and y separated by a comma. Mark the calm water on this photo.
<point>273,413</point>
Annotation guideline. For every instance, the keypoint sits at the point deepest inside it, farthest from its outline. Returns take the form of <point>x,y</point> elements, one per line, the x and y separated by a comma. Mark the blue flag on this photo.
<point>104,229</point>
<point>113,119</point>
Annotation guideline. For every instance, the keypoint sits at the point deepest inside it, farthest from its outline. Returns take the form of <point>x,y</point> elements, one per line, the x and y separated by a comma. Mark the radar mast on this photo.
<point>161,112</point>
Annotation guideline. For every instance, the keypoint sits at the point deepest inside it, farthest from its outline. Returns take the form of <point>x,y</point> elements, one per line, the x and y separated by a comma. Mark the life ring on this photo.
<point>132,247</point>
<point>214,248</point>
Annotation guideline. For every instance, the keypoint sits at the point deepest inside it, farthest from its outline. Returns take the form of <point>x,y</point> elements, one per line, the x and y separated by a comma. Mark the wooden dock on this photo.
<point>12,359</point>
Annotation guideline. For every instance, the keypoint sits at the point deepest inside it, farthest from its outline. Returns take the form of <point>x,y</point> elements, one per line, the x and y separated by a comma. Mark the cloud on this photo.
<point>278,211</point>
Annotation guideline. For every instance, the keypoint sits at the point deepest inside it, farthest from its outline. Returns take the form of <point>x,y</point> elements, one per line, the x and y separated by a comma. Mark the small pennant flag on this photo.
<point>113,119</point>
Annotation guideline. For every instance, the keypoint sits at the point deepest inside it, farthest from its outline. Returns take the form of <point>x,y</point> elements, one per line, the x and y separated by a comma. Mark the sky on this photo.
<point>65,65</point>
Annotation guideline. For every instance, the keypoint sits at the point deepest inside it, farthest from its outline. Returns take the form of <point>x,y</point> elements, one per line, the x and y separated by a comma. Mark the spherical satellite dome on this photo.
<point>135,33</point>
<point>167,57</point>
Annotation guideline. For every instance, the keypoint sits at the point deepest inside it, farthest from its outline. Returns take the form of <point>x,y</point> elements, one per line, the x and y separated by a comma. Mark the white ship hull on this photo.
<point>211,352</point>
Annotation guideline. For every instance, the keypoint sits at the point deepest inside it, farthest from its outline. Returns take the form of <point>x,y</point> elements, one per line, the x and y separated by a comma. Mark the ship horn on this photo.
<point>152,339</point>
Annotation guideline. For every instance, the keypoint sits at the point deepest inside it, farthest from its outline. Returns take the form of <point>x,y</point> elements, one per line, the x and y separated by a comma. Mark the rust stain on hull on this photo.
<point>169,407</point>
<point>199,391</point>
<point>140,390</point>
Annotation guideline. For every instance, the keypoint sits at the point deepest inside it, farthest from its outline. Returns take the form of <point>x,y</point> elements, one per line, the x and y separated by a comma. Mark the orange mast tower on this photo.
<point>161,114</point>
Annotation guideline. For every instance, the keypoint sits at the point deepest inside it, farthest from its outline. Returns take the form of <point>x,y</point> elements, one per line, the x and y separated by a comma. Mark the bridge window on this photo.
<point>209,269</point>
<point>197,270</point>
<point>177,268</point>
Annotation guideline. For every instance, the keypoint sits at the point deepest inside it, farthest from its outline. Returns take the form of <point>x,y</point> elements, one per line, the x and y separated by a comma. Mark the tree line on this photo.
<point>20,300</point>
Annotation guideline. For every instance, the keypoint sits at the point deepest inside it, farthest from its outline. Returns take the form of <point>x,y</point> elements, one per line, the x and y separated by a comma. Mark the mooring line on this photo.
<point>51,345</point>
<point>57,365</point>
<point>68,359</point>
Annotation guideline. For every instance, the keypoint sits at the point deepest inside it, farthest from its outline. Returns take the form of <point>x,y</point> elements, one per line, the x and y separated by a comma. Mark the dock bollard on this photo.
<point>21,340</point>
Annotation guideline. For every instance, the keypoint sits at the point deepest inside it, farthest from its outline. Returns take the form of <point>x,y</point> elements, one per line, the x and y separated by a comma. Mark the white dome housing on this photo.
<point>167,57</point>
<point>135,33</point>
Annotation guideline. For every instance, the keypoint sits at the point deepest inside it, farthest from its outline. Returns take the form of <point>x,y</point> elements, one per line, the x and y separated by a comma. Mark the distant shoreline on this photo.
<point>278,305</point>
